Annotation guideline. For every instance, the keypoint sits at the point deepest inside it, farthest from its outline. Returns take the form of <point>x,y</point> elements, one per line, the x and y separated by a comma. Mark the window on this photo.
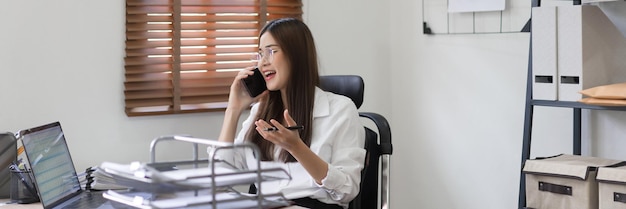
<point>182,55</point>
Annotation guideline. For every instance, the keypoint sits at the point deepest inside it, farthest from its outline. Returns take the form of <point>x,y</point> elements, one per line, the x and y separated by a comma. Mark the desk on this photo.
<point>3,205</point>
<point>37,205</point>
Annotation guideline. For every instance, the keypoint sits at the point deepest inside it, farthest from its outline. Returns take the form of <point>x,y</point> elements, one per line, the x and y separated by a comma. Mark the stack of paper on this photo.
<point>95,179</point>
<point>144,177</point>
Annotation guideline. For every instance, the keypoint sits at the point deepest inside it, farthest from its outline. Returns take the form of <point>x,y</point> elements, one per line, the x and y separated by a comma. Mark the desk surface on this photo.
<point>37,205</point>
<point>3,205</point>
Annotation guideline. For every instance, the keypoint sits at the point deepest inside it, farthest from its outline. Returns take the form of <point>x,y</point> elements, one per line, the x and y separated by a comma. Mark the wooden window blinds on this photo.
<point>182,55</point>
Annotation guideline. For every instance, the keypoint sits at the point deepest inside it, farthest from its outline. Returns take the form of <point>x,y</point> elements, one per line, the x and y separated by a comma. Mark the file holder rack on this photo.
<point>219,185</point>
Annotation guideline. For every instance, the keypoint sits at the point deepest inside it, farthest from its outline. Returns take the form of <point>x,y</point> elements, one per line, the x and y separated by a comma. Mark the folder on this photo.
<point>544,53</point>
<point>591,50</point>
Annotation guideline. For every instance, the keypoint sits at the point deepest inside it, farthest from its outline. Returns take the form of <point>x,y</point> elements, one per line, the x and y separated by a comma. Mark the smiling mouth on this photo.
<point>268,73</point>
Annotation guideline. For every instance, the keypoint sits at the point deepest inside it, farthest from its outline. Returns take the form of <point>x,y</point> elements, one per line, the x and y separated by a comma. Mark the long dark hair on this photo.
<point>297,45</point>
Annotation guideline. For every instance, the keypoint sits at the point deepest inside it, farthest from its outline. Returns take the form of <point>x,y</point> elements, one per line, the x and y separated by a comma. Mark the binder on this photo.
<point>544,53</point>
<point>590,50</point>
<point>95,179</point>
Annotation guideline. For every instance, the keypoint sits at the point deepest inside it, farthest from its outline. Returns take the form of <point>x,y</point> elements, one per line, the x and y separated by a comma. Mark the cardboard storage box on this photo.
<point>612,187</point>
<point>563,181</point>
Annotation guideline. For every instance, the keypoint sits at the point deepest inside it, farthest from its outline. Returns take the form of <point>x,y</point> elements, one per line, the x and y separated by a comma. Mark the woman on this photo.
<point>326,157</point>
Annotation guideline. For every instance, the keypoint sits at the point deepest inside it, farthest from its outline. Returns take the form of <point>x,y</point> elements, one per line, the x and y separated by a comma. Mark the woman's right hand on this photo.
<point>238,101</point>
<point>239,97</point>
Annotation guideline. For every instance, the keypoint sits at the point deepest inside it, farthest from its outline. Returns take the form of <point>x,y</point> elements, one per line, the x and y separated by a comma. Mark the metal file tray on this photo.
<point>201,183</point>
<point>143,177</point>
<point>195,200</point>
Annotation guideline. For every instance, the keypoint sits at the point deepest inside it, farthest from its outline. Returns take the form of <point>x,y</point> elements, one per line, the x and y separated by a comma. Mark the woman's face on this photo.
<point>274,65</point>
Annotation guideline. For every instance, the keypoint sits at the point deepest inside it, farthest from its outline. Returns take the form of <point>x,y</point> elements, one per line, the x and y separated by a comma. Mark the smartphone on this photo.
<point>255,84</point>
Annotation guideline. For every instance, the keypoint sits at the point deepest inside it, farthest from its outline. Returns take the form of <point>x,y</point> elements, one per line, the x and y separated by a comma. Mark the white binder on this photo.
<point>590,50</point>
<point>544,53</point>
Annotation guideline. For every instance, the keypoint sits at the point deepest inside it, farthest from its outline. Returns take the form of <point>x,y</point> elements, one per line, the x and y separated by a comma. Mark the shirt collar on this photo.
<point>321,106</point>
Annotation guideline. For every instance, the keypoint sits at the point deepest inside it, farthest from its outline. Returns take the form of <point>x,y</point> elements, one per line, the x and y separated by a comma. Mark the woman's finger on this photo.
<point>289,119</point>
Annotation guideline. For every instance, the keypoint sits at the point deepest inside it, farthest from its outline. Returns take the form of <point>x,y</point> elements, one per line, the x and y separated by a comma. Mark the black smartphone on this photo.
<point>255,84</point>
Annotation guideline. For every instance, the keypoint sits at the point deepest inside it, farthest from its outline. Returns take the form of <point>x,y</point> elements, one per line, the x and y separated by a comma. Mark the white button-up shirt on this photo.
<point>338,138</point>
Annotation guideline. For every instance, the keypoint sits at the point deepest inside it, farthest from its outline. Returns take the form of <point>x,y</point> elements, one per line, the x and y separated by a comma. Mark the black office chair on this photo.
<point>378,146</point>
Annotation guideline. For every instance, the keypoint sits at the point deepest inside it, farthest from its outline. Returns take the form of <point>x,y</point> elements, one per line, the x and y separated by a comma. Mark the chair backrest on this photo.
<point>377,145</point>
<point>351,86</point>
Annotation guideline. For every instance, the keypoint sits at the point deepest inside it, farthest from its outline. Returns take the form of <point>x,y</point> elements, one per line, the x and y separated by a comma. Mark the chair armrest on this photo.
<point>384,131</point>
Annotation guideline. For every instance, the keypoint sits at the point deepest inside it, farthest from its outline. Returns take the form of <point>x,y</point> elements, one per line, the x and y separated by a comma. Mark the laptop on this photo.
<point>53,170</point>
<point>8,155</point>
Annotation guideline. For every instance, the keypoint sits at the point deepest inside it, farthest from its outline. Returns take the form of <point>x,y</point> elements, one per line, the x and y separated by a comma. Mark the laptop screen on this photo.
<point>51,163</point>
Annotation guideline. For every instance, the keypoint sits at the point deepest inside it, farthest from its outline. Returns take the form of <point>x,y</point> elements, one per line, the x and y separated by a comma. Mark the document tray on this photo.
<point>209,183</point>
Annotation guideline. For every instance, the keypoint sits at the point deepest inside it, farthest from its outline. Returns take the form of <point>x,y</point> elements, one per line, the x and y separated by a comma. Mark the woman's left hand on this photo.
<point>283,137</point>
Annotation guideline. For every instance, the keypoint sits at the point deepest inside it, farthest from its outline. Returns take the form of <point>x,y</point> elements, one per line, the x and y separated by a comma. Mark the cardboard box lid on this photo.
<point>566,165</point>
<point>616,173</point>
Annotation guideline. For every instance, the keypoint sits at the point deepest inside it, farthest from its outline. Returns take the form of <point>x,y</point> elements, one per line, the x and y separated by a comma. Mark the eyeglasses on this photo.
<point>266,54</point>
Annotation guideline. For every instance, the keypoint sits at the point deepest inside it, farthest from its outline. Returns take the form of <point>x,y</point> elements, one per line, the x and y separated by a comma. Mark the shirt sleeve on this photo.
<point>236,157</point>
<point>346,135</point>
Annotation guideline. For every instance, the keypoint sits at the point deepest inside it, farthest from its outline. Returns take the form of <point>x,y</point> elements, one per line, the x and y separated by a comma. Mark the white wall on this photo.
<point>461,99</point>
<point>352,38</point>
<point>455,102</point>
<point>458,112</point>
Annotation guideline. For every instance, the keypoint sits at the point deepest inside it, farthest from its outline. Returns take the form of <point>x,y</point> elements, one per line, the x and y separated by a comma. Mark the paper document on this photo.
<point>475,5</point>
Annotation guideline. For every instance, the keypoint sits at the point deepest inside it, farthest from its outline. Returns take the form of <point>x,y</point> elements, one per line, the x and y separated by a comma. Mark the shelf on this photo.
<point>528,120</point>
<point>579,105</point>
